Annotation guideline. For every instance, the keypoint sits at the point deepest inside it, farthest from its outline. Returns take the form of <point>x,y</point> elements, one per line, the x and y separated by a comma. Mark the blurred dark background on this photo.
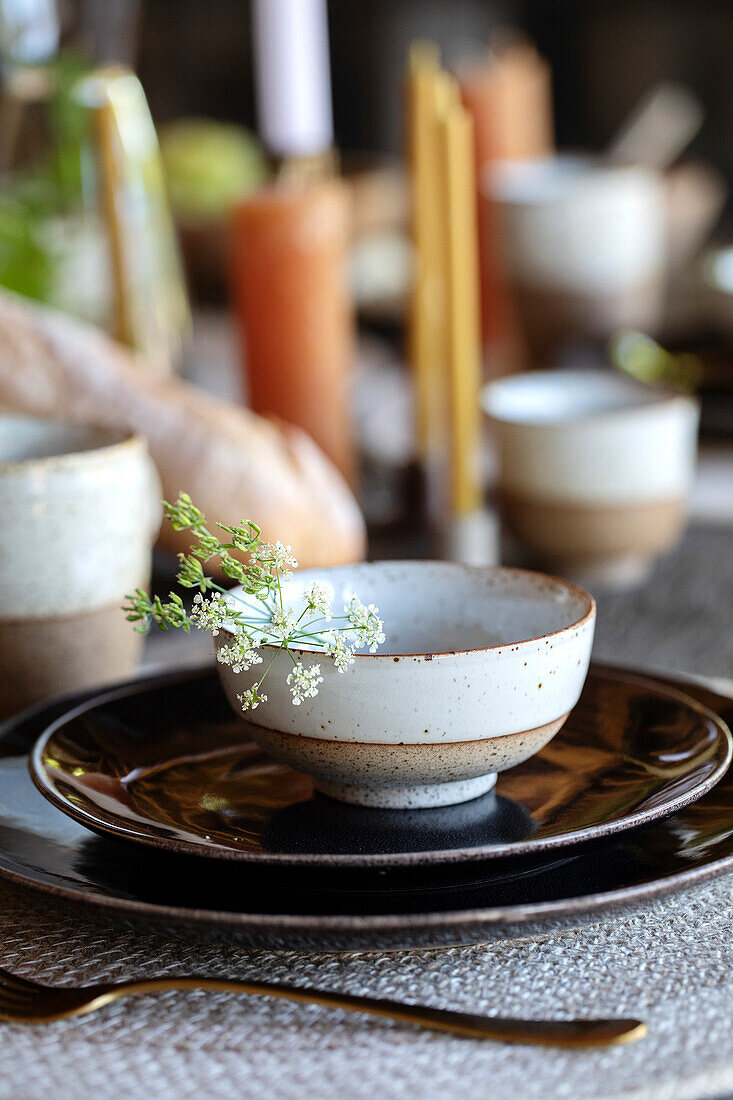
<point>194,57</point>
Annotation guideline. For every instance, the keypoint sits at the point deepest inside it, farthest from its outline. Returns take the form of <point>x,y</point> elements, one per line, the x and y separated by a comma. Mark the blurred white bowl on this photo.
<point>594,468</point>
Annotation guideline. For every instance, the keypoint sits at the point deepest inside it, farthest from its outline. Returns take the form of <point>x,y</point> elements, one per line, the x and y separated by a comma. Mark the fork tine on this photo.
<point>15,997</point>
<point>10,1005</point>
<point>14,981</point>
<point>10,993</point>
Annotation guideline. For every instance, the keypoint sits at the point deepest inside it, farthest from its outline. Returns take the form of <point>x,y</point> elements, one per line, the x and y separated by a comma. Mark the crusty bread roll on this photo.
<point>234,464</point>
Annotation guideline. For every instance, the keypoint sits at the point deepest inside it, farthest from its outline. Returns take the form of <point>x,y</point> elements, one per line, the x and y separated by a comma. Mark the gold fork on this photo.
<point>23,1001</point>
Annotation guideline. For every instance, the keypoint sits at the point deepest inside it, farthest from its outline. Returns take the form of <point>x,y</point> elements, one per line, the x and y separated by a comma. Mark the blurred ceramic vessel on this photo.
<point>479,671</point>
<point>594,469</point>
<point>80,508</point>
<point>584,246</point>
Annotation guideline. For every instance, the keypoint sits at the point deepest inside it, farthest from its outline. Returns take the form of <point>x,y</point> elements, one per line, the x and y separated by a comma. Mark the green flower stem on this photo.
<point>263,618</point>
<point>234,596</point>
<point>258,685</point>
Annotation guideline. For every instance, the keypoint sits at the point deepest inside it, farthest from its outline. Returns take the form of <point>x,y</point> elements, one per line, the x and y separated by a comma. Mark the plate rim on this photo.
<point>489,917</point>
<point>516,849</point>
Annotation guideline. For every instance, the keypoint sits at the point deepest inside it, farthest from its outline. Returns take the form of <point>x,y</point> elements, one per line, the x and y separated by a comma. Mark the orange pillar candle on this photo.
<point>294,311</point>
<point>510,99</point>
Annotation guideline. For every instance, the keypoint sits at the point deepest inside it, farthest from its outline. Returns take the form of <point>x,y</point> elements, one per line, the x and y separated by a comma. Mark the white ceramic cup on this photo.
<point>479,670</point>
<point>594,469</point>
<point>584,246</point>
<point>80,509</point>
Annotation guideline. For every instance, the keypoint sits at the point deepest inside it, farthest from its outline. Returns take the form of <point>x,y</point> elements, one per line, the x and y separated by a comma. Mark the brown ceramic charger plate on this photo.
<point>45,851</point>
<point>169,766</point>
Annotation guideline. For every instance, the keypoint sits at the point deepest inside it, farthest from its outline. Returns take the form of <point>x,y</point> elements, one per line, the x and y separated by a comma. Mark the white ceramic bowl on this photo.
<point>594,468</point>
<point>584,243</point>
<point>480,669</point>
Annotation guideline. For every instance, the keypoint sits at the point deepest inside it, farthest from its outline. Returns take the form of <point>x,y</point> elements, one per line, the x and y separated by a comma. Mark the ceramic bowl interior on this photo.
<point>549,180</point>
<point>24,439</point>
<point>566,396</point>
<point>437,607</point>
<point>545,179</point>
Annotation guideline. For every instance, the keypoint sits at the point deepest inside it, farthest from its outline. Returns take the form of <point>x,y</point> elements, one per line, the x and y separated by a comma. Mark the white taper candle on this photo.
<point>293,76</point>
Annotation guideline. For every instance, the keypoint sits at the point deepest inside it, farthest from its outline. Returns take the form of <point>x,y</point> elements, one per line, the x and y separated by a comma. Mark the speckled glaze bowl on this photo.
<point>479,671</point>
<point>80,510</point>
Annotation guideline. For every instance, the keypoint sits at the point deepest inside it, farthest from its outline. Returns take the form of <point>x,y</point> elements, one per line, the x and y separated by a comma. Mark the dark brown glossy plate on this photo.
<point>169,766</point>
<point>344,908</point>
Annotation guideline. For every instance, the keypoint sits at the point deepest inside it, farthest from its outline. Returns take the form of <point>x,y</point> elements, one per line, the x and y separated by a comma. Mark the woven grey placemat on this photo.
<point>671,963</point>
<point>682,617</point>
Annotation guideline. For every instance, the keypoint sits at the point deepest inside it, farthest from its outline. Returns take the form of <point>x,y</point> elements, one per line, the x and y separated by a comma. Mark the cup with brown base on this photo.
<point>584,246</point>
<point>594,470</point>
<point>80,509</point>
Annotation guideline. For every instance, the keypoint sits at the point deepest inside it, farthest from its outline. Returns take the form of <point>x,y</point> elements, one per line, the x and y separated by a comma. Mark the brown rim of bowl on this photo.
<point>570,586</point>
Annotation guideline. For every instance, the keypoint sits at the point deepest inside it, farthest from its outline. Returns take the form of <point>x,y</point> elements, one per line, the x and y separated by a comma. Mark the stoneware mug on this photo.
<point>80,509</point>
<point>594,470</point>
<point>584,246</point>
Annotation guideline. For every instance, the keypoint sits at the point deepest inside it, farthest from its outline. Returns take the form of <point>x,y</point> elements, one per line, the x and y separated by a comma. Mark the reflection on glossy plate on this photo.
<point>345,908</point>
<point>167,765</point>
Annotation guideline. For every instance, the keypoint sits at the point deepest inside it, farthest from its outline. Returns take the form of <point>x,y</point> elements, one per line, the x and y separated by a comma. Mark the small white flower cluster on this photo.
<point>282,623</point>
<point>360,627</point>
<point>240,655</point>
<point>276,557</point>
<point>341,652</point>
<point>366,624</point>
<point>209,614</point>
<point>310,626</point>
<point>319,597</point>
<point>251,698</point>
<point>303,683</point>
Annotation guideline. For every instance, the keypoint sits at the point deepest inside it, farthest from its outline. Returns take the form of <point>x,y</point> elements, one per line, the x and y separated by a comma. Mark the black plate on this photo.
<point>346,908</point>
<point>171,766</point>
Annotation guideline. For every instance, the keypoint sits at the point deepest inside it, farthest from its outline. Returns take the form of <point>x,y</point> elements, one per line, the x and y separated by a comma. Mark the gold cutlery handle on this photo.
<point>563,1033</point>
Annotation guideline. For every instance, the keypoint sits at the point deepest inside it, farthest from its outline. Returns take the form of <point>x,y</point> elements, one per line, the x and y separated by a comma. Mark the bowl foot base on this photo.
<point>409,798</point>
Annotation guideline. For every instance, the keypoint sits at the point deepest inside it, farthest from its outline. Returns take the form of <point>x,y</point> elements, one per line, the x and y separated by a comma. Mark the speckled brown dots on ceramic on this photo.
<point>433,729</point>
<point>405,776</point>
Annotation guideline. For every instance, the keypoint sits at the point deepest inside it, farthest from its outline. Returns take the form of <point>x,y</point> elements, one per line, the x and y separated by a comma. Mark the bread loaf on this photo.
<point>234,464</point>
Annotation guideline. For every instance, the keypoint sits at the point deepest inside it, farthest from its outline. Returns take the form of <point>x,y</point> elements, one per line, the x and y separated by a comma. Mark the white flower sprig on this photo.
<point>264,619</point>
<point>303,683</point>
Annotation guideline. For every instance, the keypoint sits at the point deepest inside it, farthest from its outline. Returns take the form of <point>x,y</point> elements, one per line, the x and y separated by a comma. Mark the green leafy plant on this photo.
<point>259,618</point>
<point>49,187</point>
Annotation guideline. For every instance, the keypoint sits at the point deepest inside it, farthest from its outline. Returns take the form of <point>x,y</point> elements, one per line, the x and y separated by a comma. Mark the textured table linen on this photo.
<point>670,962</point>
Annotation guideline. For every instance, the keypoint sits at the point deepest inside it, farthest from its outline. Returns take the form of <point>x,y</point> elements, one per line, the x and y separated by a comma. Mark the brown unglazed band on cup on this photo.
<point>45,657</point>
<point>589,530</point>
<point>399,765</point>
